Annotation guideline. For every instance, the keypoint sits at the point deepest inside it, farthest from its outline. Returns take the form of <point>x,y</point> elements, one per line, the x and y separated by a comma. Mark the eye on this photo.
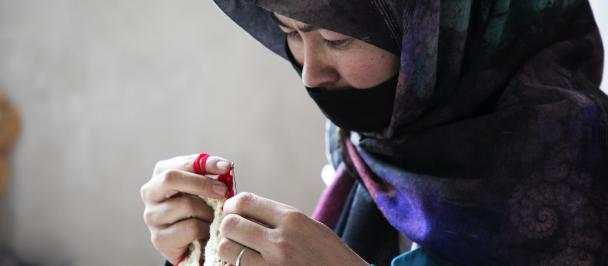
<point>294,35</point>
<point>338,44</point>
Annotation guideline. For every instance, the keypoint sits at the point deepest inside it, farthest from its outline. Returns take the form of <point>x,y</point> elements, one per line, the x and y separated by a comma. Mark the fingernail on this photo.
<point>222,165</point>
<point>220,189</point>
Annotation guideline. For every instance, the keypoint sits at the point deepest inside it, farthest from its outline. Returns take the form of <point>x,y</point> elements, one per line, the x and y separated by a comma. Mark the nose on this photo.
<point>317,71</point>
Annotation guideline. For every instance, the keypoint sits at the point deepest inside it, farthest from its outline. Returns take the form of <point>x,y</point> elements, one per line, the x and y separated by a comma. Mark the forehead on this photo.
<point>286,21</point>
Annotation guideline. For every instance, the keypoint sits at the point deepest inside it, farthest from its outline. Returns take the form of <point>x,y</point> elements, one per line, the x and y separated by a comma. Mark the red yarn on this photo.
<point>200,160</point>
<point>181,258</point>
<point>228,179</point>
<point>199,165</point>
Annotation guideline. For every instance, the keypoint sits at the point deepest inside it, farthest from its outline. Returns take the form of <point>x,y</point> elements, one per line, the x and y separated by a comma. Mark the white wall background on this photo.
<point>107,88</point>
<point>600,9</point>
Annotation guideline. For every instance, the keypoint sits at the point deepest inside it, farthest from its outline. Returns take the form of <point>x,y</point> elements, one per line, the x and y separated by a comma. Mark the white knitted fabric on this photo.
<point>211,256</point>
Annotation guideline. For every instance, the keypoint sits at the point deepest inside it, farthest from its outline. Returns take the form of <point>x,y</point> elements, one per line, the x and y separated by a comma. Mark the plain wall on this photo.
<point>107,88</point>
<point>600,9</point>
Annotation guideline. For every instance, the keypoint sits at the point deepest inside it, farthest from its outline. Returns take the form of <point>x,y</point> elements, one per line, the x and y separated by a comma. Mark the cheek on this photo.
<point>364,70</point>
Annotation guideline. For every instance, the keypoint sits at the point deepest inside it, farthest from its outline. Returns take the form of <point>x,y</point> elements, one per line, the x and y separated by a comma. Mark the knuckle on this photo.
<point>281,245</point>
<point>294,217</point>
<point>148,216</point>
<point>230,221</point>
<point>156,241</point>
<point>169,176</point>
<point>186,164</point>
<point>242,200</point>
<point>276,237</point>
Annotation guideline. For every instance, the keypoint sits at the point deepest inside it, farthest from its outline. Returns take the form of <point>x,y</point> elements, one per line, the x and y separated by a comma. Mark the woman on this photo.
<point>476,129</point>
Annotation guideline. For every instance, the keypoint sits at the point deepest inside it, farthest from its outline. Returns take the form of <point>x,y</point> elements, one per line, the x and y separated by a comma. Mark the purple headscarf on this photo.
<point>497,150</point>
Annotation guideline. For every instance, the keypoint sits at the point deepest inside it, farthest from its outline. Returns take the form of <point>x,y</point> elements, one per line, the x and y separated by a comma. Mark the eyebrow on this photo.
<point>306,28</point>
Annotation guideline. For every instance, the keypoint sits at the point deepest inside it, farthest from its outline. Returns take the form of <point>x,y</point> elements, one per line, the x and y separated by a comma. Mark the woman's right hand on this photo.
<point>174,213</point>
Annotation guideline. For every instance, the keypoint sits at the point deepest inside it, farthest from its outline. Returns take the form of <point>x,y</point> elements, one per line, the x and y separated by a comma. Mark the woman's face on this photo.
<point>332,60</point>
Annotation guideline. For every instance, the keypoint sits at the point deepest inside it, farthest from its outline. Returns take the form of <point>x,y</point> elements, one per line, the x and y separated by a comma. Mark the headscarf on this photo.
<point>497,150</point>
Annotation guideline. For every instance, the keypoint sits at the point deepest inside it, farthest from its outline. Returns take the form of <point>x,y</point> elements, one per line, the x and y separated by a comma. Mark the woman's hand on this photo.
<point>278,234</point>
<point>174,213</point>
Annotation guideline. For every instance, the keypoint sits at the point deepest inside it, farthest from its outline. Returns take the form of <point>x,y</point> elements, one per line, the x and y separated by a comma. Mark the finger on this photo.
<point>213,166</point>
<point>173,241</point>
<point>266,211</point>
<point>180,162</point>
<point>229,251</point>
<point>176,209</point>
<point>244,231</point>
<point>171,182</point>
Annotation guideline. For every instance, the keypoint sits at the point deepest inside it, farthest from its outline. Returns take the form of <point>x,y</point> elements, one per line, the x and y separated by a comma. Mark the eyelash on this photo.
<point>293,35</point>
<point>334,44</point>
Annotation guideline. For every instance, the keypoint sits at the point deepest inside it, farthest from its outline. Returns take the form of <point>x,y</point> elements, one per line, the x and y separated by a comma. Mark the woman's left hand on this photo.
<point>278,234</point>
